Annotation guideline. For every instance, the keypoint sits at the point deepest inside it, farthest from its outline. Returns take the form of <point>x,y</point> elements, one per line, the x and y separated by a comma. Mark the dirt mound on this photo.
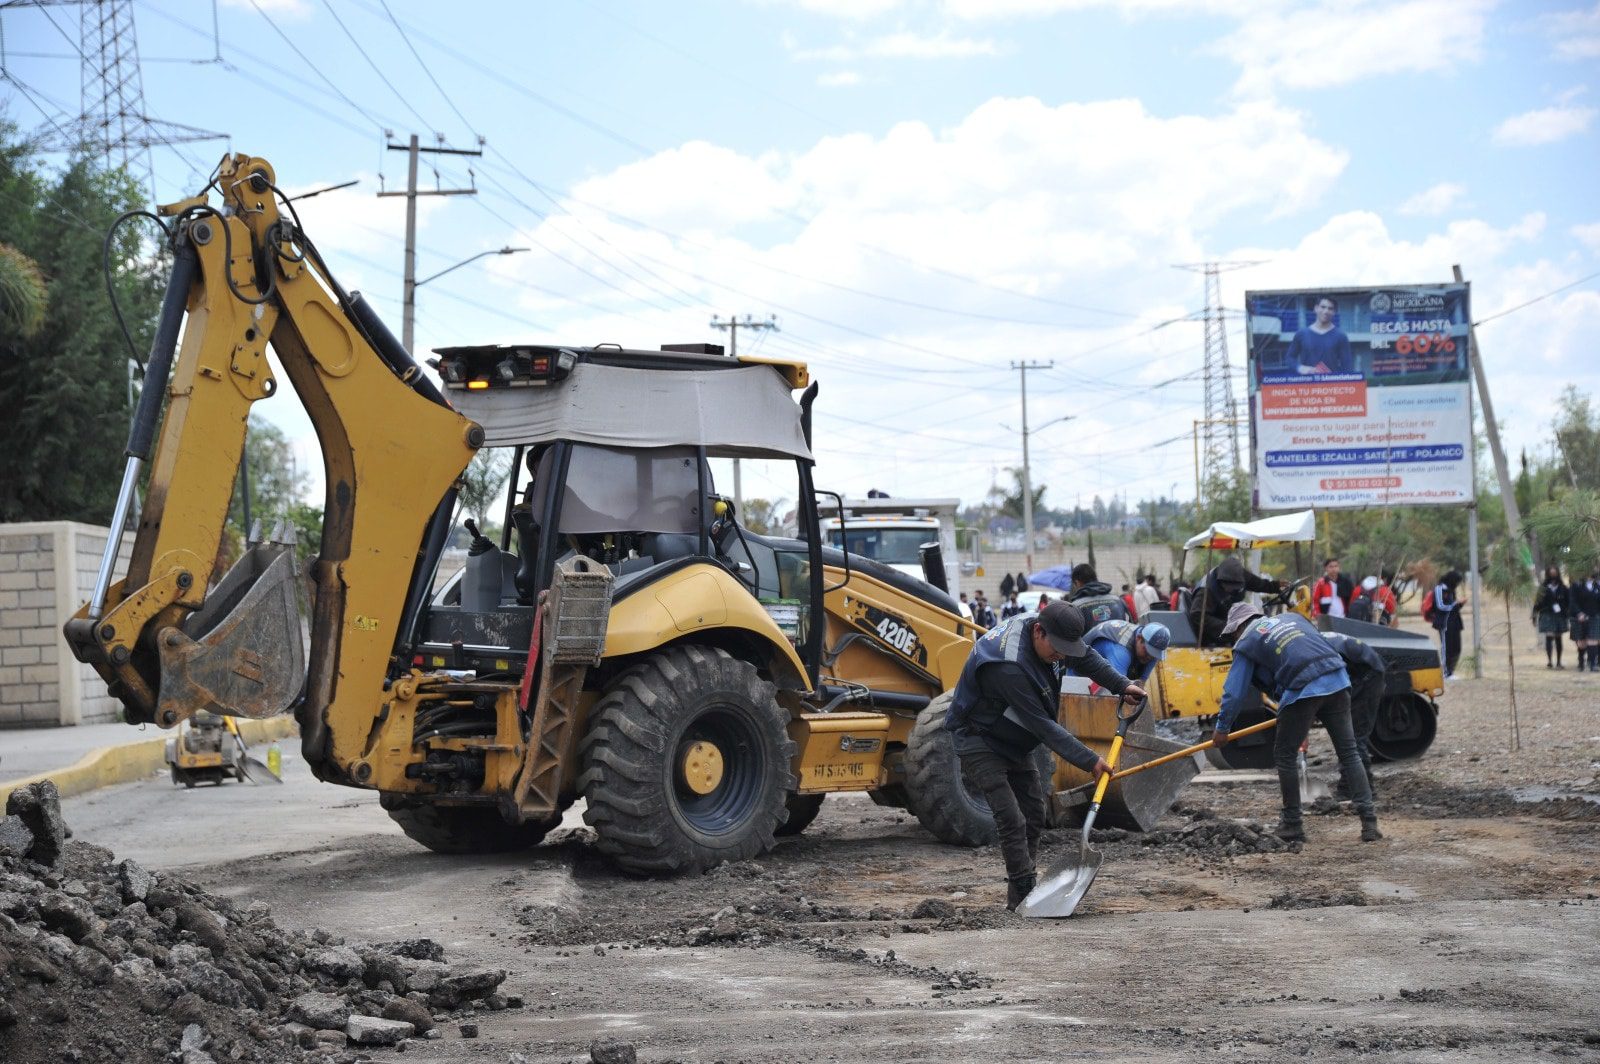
<point>1207,834</point>
<point>104,961</point>
<point>1316,899</point>
<point>1430,798</point>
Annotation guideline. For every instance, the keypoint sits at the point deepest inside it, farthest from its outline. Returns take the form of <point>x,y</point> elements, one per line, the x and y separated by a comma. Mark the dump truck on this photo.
<point>627,641</point>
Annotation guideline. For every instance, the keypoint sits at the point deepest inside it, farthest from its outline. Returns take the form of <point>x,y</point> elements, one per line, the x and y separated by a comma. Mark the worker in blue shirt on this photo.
<point>1287,658</point>
<point>1131,649</point>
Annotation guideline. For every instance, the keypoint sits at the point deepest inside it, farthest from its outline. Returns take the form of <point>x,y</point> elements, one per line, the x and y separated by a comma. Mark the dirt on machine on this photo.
<point>627,639</point>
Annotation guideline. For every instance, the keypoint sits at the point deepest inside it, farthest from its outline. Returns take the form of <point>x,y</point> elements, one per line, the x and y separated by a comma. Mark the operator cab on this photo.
<point>613,456</point>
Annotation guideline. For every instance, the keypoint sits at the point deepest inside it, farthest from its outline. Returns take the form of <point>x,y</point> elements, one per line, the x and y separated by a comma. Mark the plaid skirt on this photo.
<point>1588,631</point>
<point>1551,623</point>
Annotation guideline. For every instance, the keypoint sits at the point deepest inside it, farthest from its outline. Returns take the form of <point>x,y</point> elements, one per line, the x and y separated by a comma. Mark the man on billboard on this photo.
<point>1321,347</point>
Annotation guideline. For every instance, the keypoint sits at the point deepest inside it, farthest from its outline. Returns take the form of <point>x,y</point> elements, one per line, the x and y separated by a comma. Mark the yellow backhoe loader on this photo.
<point>628,641</point>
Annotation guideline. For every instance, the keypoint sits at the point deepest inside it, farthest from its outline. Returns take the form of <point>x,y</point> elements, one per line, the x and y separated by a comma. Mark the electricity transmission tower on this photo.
<point>1219,453</point>
<point>112,120</point>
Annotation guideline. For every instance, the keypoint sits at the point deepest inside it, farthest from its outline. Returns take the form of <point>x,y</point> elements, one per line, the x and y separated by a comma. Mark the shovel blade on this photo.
<point>256,771</point>
<point>1063,886</point>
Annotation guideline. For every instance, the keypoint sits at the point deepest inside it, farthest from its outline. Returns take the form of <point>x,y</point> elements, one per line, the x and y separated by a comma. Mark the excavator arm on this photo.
<point>168,642</point>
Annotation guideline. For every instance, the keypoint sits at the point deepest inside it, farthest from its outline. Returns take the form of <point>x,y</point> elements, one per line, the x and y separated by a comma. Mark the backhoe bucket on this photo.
<point>242,653</point>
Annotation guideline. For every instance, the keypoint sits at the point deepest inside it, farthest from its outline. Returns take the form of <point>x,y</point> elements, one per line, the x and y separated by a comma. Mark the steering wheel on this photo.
<point>1288,597</point>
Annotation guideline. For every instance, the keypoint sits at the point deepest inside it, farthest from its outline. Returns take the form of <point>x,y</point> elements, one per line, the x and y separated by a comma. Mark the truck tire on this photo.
<point>686,763</point>
<point>462,829</point>
<point>803,809</point>
<point>1405,727</point>
<point>935,791</point>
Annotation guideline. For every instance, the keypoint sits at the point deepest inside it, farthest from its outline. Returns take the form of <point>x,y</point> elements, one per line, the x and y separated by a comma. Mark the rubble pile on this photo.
<point>104,961</point>
<point>1214,836</point>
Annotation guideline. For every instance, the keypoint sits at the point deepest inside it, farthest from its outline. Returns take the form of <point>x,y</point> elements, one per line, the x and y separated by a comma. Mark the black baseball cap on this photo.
<point>1064,626</point>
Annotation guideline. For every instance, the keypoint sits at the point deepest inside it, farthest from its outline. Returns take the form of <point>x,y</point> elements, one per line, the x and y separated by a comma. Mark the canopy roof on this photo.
<point>744,411</point>
<point>1267,532</point>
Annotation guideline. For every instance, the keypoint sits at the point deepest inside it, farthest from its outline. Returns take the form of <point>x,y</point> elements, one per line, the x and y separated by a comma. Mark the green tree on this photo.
<point>23,298</point>
<point>65,386</point>
<point>1011,502</point>
<point>1569,529</point>
<point>763,516</point>
<point>277,484</point>
<point>1577,436</point>
<point>485,478</point>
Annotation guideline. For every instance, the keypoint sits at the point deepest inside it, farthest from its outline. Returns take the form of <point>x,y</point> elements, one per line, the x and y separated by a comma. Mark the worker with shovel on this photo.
<point>1287,658</point>
<point>1132,649</point>
<point>1005,705</point>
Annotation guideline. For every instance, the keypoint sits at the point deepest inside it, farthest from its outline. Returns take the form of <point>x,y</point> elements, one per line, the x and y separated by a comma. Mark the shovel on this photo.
<point>1068,880</point>
<point>250,768</point>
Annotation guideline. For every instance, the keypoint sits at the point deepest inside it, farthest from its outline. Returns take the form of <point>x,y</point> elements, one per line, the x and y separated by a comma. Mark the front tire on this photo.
<point>462,829</point>
<point>686,763</point>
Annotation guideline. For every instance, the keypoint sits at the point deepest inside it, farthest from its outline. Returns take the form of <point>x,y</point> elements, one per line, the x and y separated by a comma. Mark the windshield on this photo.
<point>893,546</point>
<point>614,489</point>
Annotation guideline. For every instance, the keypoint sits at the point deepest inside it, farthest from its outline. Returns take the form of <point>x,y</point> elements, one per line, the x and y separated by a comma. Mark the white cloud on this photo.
<point>851,10</point>
<point>835,79</point>
<point>1434,201</point>
<point>1588,235</point>
<point>1337,42</point>
<point>901,45</point>
<point>1547,125</point>
<point>1576,33</point>
<point>988,9</point>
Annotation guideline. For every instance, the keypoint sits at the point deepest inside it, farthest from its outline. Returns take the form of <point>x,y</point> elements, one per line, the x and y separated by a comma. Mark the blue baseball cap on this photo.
<point>1156,639</point>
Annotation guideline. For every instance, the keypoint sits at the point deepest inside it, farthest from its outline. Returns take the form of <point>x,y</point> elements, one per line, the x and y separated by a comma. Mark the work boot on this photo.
<point>1290,830</point>
<point>1019,887</point>
<point>1369,829</point>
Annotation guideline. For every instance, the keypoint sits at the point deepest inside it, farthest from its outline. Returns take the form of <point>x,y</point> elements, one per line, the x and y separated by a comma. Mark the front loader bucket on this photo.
<point>242,653</point>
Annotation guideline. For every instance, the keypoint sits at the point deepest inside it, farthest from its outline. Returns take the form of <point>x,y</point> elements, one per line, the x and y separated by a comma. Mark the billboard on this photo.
<point>1360,396</point>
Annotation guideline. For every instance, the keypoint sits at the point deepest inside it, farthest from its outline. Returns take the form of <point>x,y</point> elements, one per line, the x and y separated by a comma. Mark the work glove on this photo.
<point>1219,737</point>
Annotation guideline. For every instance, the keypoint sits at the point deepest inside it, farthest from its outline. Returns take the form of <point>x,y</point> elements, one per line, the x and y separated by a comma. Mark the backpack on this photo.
<point>1361,608</point>
<point>1427,607</point>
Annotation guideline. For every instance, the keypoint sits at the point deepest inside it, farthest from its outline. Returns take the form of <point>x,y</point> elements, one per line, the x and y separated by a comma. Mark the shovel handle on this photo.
<point>1187,751</point>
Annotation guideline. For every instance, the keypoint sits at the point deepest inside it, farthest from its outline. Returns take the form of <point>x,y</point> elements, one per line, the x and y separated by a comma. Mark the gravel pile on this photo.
<point>104,961</point>
<point>1207,834</point>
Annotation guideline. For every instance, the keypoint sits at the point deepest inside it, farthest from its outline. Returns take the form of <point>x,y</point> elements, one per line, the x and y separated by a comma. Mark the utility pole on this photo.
<point>413,149</point>
<point>1027,477</point>
<point>733,325</point>
<point>1502,472</point>
<point>1219,456</point>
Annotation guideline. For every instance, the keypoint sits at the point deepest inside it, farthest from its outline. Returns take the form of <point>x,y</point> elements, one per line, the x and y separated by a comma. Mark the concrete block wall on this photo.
<point>47,571</point>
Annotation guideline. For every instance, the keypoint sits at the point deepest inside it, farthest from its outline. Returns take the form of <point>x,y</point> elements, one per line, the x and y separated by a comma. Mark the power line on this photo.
<point>418,57</point>
<point>375,68</point>
<point>362,111</point>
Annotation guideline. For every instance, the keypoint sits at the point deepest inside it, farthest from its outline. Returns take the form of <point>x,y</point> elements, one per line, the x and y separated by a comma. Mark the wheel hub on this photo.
<point>700,766</point>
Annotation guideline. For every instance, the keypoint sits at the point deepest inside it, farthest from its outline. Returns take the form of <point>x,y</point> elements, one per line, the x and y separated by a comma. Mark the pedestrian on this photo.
<point>1366,669</point>
<point>1146,596</point>
<point>1022,583</point>
<point>1223,587</point>
<point>1364,604</point>
<point>1004,705</point>
<point>1584,596</point>
<point>1388,612</point>
<point>1333,592</point>
<point>1044,600</point>
<point>1287,658</point>
<point>1094,596</point>
<point>981,613</point>
<point>1445,616</point>
<point>1008,584</point>
<point>1132,649</point>
<point>1550,613</point>
<point>1011,608</point>
<point>1175,602</point>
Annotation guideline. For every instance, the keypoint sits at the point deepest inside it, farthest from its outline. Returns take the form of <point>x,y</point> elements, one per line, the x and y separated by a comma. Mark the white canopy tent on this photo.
<point>1249,535</point>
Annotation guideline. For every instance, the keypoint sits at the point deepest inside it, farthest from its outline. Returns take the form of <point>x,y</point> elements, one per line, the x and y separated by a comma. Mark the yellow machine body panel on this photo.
<point>839,751</point>
<point>698,599</point>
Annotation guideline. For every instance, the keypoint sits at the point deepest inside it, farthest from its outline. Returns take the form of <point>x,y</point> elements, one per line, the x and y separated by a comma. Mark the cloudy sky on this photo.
<point>920,191</point>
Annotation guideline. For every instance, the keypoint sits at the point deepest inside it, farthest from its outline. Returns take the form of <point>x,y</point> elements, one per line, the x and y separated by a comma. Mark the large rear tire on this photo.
<point>462,829</point>
<point>1405,727</point>
<point>686,763</point>
<point>935,790</point>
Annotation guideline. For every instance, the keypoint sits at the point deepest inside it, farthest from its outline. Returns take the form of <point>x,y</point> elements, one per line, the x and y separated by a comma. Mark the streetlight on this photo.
<point>409,319</point>
<point>1027,480</point>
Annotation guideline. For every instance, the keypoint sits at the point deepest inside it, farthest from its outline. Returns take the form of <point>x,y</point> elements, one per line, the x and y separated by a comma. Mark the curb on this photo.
<point>109,765</point>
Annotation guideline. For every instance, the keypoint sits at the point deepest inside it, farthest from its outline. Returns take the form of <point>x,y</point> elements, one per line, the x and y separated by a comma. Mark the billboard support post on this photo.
<point>1477,588</point>
<point>1502,472</point>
